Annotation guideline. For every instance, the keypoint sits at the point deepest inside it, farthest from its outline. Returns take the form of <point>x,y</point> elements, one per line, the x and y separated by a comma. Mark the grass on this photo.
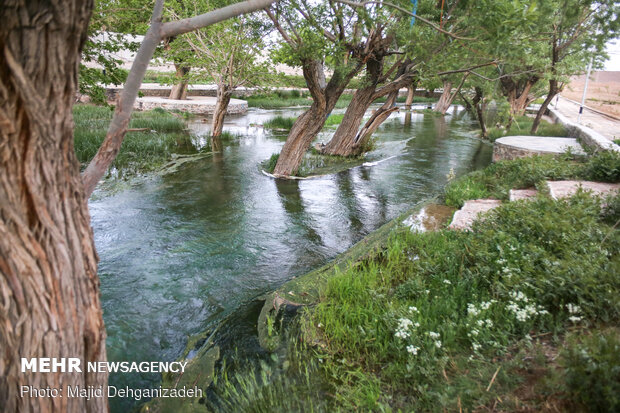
<point>280,122</point>
<point>496,180</point>
<point>333,120</point>
<point>519,313</point>
<point>522,126</point>
<point>141,151</point>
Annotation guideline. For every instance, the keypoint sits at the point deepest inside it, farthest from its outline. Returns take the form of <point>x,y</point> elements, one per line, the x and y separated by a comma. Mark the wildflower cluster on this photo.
<point>479,323</point>
<point>574,311</point>
<point>522,308</point>
<point>404,327</point>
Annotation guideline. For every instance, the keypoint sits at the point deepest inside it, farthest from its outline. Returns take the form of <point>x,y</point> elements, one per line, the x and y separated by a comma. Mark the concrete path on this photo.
<point>194,104</point>
<point>605,125</point>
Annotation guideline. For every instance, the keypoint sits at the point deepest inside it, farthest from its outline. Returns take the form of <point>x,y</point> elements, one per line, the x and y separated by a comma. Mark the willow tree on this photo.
<point>49,289</point>
<point>317,37</point>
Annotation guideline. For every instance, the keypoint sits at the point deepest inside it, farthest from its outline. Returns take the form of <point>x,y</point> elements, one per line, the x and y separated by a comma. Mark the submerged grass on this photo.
<point>452,320</point>
<point>141,151</point>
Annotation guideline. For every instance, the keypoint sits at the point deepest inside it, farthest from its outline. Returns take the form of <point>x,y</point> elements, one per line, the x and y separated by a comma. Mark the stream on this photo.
<point>181,251</point>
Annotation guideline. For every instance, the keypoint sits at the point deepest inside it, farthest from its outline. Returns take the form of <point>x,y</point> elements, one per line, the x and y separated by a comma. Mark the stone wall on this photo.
<point>583,134</point>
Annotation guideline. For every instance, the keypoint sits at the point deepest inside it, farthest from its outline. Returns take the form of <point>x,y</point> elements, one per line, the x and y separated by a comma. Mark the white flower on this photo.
<point>476,346</point>
<point>438,344</point>
<point>474,332</point>
<point>427,291</point>
<point>472,310</point>
<point>412,349</point>
<point>319,325</point>
<point>488,322</point>
<point>573,309</point>
<point>447,282</point>
<point>413,309</point>
<point>574,319</point>
<point>433,335</point>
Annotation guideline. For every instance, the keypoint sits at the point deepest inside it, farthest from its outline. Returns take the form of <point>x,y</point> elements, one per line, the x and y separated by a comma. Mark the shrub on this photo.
<point>592,371</point>
<point>604,166</point>
<point>466,188</point>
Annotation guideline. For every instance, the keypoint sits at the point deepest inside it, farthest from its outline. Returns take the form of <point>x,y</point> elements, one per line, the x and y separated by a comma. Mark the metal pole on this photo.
<point>585,89</point>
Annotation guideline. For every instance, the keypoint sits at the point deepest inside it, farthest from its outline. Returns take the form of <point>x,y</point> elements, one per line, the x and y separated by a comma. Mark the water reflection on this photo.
<point>181,251</point>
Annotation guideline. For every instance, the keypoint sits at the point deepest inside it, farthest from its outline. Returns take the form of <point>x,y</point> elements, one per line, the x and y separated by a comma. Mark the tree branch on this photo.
<point>422,19</point>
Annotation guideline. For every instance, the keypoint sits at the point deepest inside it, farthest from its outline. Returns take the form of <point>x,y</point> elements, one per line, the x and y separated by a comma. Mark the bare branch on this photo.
<point>212,17</point>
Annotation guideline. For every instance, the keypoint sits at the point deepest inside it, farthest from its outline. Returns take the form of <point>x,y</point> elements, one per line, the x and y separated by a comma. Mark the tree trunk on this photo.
<point>179,90</point>
<point>343,140</point>
<point>553,91</point>
<point>224,93</point>
<point>49,300</point>
<point>518,94</point>
<point>447,97</point>
<point>349,139</point>
<point>443,104</point>
<point>480,106</point>
<point>310,123</point>
<point>410,95</point>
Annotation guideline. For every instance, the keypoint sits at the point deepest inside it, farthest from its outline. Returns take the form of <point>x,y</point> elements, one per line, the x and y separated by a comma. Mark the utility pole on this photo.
<point>585,89</point>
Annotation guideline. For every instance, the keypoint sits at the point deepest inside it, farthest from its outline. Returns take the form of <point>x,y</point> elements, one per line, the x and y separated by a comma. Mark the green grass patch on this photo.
<point>522,126</point>
<point>449,320</point>
<point>333,120</point>
<point>280,122</point>
<point>141,151</point>
<point>497,179</point>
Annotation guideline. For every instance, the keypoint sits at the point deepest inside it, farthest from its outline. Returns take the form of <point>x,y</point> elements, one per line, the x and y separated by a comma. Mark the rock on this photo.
<point>564,189</point>
<point>464,217</point>
<point>519,194</point>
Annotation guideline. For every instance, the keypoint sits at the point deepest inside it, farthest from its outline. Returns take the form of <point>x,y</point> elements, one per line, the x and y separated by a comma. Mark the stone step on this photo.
<point>565,189</point>
<point>464,218</point>
<point>519,194</point>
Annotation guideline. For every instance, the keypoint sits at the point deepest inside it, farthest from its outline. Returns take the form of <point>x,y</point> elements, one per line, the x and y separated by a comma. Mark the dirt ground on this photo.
<point>603,91</point>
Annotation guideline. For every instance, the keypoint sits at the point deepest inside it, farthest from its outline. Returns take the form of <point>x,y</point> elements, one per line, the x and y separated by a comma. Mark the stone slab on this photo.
<point>196,104</point>
<point>564,189</point>
<point>512,147</point>
<point>464,218</point>
<point>519,194</point>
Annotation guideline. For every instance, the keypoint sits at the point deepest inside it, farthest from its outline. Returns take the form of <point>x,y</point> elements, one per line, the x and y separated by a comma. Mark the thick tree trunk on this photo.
<point>310,123</point>
<point>49,290</point>
<point>447,97</point>
<point>553,91</point>
<point>443,104</point>
<point>410,95</point>
<point>349,139</point>
<point>224,93</point>
<point>179,90</point>
<point>518,95</point>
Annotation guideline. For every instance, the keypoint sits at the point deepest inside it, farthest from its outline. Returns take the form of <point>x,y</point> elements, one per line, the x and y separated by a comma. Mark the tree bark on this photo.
<point>310,123</point>
<point>443,104</point>
<point>179,90</point>
<point>410,95</point>
<point>224,93</point>
<point>349,139</point>
<point>480,105</point>
<point>447,97</point>
<point>518,94</point>
<point>553,91</point>
<point>49,290</point>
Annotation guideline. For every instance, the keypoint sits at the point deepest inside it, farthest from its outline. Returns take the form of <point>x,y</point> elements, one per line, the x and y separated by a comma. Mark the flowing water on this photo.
<point>179,252</point>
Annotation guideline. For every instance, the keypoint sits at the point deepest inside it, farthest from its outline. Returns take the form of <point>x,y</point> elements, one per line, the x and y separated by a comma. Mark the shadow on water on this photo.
<point>180,252</point>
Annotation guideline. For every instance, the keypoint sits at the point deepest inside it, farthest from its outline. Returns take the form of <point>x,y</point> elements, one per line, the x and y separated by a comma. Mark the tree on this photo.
<point>314,36</point>
<point>228,55</point>
<point>578,32</point>
<point>49,290</point>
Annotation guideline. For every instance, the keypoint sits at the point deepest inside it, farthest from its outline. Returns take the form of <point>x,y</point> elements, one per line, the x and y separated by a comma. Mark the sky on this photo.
<point>613,50</point>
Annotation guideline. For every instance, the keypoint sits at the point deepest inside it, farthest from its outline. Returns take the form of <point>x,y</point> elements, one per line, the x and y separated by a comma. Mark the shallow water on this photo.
<point>181,251</point>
